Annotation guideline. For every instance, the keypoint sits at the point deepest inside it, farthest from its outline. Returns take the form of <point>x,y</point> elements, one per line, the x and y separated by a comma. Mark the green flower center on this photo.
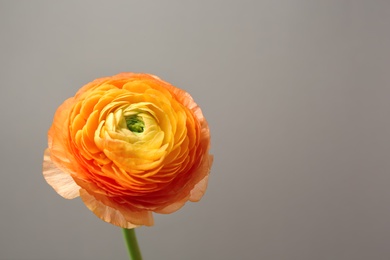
<point>135,124</point>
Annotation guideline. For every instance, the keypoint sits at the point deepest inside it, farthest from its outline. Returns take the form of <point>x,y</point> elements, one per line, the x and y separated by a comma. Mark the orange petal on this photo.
<point>202,172</point>
<point>116,215</point>
<point>173,207</point>
<point>196,193</point>
<point>104,212</point>
<point>60,181</point>
<point>199,190</point>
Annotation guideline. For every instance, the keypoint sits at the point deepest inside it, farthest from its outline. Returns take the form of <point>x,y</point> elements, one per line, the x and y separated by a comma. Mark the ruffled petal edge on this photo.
<point>60,181</point>
<point>121,216</point>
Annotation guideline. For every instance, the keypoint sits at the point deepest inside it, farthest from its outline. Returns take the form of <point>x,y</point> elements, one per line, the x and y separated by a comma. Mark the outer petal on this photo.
<point>104,212</point>
<point>61,182</point>
<point>197,191</point>
<point>200,188</point>
<point>173,207</point>
<point>117,215</point>
<point>58,139</point>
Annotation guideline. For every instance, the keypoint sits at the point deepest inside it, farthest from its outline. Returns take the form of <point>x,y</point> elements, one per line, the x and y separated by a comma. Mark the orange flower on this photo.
<point>129,145</point>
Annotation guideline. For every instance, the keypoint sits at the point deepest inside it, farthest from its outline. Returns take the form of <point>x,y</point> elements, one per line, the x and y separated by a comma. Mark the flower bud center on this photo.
<point>135,124</point>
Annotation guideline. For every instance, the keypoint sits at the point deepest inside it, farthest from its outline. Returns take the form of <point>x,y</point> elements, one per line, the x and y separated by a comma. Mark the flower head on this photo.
<point>129,145</point>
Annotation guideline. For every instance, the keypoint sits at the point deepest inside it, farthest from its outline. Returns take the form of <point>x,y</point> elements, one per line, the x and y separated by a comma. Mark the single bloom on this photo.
<point>129,145</point>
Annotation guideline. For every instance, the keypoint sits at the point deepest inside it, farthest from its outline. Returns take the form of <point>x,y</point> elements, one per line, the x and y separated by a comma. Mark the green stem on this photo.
<point>132,244</point>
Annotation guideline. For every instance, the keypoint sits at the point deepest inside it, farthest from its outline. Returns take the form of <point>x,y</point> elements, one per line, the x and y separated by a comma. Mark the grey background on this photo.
<point>297,97</point>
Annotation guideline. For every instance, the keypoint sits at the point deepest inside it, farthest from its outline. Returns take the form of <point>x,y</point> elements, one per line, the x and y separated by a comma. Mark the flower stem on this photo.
<point>132,244</point>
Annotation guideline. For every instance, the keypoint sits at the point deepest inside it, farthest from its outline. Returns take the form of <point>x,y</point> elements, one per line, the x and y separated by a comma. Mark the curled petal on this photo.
<point>199,190</point>
<point>61,182</point>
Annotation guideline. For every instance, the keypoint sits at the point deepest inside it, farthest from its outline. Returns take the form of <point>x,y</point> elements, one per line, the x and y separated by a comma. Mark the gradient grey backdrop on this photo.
<point>297,97</point>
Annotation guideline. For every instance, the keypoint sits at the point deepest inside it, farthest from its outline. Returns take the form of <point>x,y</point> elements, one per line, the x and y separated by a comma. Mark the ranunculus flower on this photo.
<point>129,145</point>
